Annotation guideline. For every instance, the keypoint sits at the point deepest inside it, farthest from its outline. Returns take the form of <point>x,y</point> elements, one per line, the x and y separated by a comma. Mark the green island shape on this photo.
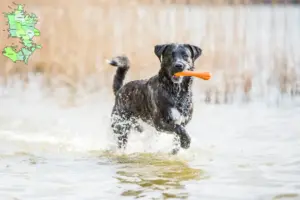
<point>21,25</point>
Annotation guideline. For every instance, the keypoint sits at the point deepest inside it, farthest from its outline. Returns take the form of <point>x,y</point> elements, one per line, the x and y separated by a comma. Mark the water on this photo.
<point>49,150</point>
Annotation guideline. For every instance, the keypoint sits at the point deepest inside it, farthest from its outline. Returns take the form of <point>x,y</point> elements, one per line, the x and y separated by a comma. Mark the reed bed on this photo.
<point>249,49</point>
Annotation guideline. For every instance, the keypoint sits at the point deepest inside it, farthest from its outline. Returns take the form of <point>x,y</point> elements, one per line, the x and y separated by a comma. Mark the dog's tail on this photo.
<point>122,64</point>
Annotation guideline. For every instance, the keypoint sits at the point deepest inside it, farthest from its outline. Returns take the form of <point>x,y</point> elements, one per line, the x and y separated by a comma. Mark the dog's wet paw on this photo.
<point>185,141</point>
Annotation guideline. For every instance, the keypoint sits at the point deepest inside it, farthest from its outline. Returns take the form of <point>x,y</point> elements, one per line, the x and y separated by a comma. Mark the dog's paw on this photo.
<point>185,141</point>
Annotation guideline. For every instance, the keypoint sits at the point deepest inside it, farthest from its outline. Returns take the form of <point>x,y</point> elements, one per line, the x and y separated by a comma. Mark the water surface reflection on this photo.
<point>154,175</point>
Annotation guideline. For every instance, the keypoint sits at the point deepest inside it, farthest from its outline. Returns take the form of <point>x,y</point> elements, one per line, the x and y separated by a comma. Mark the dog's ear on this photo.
<point>159,50</point>
<point>196,51</point>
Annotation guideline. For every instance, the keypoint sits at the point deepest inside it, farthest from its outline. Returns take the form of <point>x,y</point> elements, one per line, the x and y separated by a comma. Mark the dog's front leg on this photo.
<point>174,119</point>
<point>171,125</point>
<point>168,118</point>
<point>185,139</point>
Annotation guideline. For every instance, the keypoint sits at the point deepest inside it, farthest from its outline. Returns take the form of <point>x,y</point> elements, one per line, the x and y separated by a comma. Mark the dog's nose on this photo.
<point>179,66</point>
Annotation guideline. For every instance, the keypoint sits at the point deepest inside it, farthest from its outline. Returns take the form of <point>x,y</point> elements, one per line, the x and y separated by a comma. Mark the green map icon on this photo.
<point>21,25</point>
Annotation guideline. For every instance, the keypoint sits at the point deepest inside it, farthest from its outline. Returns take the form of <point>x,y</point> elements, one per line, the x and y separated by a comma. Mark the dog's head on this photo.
<point>176,58</point>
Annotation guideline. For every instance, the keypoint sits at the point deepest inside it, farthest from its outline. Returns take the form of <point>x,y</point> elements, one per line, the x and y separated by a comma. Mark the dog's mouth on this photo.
<point>176,79</point>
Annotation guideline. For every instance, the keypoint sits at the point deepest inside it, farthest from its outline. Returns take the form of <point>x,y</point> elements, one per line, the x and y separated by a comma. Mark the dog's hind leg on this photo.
<point>122,126</point>
<point>122,123</point>
<point>121,129</point>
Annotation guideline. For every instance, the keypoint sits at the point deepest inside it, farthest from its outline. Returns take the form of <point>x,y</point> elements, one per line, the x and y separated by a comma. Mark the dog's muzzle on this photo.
<point>177,67</point>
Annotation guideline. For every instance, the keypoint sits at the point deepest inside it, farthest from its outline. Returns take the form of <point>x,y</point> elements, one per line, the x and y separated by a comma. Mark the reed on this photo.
<point>78,36</point>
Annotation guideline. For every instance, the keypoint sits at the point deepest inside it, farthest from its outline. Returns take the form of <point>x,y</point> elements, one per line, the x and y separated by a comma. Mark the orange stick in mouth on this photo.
<point>202,75</point>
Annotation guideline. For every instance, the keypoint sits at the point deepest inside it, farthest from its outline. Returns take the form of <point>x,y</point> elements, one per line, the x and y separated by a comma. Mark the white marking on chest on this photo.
<point>176,116</point>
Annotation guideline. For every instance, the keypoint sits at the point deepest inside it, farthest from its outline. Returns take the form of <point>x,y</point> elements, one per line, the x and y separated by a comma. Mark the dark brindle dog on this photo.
<point>163,101</point>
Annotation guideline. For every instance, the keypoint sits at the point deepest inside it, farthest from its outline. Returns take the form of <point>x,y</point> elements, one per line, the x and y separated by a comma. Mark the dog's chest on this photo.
<point>181,114</point>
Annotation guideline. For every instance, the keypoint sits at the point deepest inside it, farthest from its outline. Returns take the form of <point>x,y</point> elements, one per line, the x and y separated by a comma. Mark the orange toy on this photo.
<point>202,75</point>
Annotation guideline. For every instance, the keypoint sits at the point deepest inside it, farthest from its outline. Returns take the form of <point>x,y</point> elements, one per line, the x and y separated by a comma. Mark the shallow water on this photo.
<point>52,151</point>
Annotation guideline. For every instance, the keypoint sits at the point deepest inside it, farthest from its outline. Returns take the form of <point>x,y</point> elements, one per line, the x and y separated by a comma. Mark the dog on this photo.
<point>164,101</point>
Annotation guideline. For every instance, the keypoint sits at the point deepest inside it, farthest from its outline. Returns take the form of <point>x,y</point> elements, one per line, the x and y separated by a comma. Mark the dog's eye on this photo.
<point>185,56</point>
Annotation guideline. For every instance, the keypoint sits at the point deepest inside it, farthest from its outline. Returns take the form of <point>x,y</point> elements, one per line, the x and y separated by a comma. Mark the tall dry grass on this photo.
<point>78,36</point>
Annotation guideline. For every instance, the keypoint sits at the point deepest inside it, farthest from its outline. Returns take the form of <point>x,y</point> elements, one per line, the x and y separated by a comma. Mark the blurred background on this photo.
<point>250,46</point>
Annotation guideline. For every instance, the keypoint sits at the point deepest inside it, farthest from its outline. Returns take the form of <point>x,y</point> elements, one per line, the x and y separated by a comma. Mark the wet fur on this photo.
<point>161,101</point>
